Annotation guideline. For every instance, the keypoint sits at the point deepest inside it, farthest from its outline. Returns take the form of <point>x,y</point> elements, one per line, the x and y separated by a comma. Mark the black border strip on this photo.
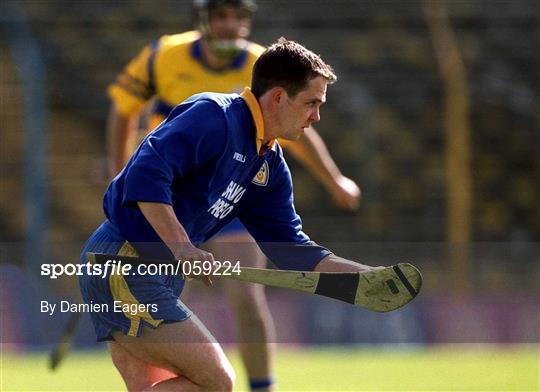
<point>404,280</point>
<point>341,286</point>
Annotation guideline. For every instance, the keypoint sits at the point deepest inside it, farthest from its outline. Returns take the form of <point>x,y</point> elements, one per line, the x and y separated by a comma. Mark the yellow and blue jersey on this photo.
<point>207,162</point>
<point>172,69</point>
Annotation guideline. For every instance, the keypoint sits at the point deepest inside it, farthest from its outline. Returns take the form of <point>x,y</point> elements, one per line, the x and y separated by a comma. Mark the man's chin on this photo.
<point>228,48</point>
<point>293,135</point>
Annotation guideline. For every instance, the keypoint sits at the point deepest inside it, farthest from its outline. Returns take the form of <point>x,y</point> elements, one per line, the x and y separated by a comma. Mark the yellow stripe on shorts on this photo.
<point>121,292</point>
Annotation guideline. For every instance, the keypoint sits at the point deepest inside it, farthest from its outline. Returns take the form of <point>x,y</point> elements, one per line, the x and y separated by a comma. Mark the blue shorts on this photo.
<point>128,302</point>
<point>233,227</point>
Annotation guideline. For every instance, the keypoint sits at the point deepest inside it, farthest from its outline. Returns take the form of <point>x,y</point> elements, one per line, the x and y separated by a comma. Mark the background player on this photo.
<point>218,57</point>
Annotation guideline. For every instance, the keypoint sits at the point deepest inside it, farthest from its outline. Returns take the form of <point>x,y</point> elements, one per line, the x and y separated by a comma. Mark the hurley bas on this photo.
<point>118,306</point>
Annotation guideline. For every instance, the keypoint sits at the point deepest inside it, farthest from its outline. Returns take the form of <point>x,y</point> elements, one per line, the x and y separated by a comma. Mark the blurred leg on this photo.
<point>179,356</point>
<point>256,330</point>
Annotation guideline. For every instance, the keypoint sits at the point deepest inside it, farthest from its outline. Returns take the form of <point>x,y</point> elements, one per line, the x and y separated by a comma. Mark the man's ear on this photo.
<point>277,94</point>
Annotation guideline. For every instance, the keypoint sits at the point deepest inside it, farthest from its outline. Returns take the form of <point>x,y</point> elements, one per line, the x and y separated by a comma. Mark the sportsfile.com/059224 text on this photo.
<point>112,266</point>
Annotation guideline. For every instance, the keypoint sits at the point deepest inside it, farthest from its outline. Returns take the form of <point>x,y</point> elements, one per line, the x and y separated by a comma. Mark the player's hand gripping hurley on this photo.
<point>380,290</point>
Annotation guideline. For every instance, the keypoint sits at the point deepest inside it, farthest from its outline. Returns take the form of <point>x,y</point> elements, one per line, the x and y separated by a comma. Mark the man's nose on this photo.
<point>315,116</point>
<point>232,24</point>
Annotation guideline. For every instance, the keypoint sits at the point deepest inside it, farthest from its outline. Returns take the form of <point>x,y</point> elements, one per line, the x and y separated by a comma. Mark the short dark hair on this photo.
<point>289,65</point>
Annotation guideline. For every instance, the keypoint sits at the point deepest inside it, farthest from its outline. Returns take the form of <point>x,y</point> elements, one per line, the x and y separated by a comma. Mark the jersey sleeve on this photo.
<point>271,219</point>
<point>255,49</point>
<point>177,148</point>
<point>135,85</point>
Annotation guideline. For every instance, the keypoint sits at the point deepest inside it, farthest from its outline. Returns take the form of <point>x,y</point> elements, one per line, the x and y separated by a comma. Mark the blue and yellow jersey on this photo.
<point>173,69</point>
<point>207,161</point>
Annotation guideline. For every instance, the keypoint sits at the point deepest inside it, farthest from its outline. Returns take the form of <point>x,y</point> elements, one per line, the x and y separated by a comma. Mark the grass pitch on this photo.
<point>448,368</point>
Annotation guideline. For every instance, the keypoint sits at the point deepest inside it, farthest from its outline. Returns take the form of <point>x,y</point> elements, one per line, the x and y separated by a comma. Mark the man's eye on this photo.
<point>219,14</point>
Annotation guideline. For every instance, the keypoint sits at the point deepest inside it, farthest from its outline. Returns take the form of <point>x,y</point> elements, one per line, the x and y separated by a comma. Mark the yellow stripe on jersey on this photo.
<point>256,112</point>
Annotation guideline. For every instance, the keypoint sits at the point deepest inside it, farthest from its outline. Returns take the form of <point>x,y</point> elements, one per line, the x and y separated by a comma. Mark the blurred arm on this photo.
<point>310,150</point>
<point>132,89</point>
<point>121,137</point>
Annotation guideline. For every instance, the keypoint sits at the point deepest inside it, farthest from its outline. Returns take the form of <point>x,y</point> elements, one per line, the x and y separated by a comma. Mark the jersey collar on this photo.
<point>256,112</point>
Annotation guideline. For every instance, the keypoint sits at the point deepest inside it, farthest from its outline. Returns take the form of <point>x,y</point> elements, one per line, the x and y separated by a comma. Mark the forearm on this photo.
<point>334,263</point>
<point>312,153</point>
<point>120,141</point>
<point>163,220</point>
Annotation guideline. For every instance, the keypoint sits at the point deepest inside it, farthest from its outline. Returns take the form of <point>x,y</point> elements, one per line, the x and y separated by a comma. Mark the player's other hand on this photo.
<point>194,257</point>
<point>345,193</point>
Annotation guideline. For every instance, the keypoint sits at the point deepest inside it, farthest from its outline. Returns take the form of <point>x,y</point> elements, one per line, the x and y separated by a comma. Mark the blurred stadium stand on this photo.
<point>382,120</point>
<point>382,123</point>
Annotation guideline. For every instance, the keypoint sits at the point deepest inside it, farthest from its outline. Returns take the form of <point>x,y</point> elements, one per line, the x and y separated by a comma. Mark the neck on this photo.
<point>269,118</point>
<point>211,59</point>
